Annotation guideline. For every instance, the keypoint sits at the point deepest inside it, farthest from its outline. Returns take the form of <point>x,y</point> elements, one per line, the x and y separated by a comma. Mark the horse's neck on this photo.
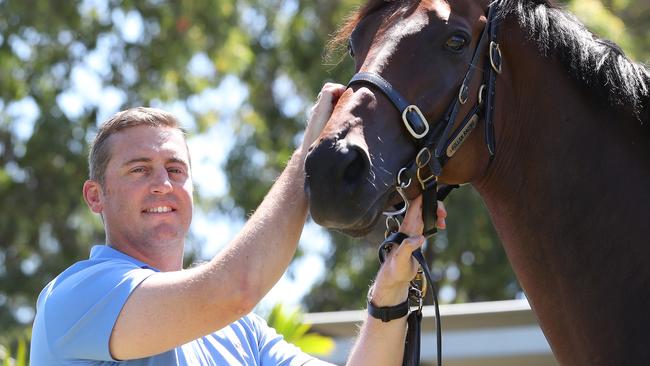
<point>561,153</point>
<point>568,193</point>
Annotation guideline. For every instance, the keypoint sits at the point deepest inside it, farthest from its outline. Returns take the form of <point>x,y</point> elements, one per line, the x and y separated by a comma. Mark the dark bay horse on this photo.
<point>568,186</point>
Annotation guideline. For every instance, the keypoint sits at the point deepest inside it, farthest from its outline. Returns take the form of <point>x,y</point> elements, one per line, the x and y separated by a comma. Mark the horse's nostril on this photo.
<point>336,168</point>
<point>336,171</point>
<point>356,168</point>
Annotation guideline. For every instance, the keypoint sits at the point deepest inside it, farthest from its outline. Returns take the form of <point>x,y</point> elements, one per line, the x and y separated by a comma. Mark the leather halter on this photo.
<point>437,144</point>
<point>427,166</point>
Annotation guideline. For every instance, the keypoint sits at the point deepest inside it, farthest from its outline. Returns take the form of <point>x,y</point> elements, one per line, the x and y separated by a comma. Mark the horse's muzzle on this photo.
<point>337,184</point>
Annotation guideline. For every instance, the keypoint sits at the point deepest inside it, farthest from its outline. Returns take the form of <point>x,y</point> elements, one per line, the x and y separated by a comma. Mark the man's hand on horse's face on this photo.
<point>321,111</point>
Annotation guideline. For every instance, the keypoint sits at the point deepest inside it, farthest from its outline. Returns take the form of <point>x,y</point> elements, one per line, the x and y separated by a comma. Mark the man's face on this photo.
<point>147,193</point>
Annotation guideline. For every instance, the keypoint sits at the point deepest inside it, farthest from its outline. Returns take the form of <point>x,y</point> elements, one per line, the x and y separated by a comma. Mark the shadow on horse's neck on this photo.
<point>568,193</point>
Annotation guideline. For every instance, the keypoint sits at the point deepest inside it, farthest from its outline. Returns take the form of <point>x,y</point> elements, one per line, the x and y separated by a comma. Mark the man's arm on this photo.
<point>382,343</point>
<point>172,308</point>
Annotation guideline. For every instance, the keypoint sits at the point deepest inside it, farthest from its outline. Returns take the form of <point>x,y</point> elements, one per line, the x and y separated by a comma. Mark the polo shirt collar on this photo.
<point>106,252</point>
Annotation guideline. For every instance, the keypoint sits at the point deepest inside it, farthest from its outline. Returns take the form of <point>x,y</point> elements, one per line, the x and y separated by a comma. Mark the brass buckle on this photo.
<point>495,47</point>
<point>414,108</point>
<point>418,157</point>
<point>425,180</point>
<point>421,164</point>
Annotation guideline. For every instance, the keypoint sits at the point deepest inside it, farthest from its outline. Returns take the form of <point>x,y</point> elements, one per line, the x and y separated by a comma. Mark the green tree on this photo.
<point>290,325</point>
<point>65,66</point>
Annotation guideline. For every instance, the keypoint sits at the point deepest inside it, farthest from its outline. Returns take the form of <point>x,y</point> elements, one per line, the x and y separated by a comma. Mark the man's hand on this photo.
<point>321,111</point>
<point>217,293</point>
<point>400,267</point>
<point>382,343</point>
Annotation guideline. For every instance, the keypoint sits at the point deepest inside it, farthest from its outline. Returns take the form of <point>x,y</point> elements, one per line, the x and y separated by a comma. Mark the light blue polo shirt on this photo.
<point>75,314</point>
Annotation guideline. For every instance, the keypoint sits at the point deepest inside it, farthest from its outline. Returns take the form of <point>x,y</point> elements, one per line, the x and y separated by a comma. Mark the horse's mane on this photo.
<point>597,63</point>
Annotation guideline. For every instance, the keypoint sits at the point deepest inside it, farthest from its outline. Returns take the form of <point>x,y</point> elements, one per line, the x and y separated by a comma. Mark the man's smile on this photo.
<point>159,209</point>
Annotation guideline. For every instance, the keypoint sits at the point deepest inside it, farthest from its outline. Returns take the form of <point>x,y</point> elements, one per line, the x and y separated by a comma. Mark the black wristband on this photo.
<point>388,313</point>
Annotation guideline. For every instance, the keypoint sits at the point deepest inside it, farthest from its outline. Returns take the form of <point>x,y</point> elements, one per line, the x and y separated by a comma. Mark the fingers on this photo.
<point>400,264</point>
<point>441,212</point>
<point>321,111</point>
<point>333,90</point>
<point>413,224</point>
<point>409,245</point>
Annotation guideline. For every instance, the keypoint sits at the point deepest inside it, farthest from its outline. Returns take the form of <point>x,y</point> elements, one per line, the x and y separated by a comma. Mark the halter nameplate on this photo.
<point>456,142</point>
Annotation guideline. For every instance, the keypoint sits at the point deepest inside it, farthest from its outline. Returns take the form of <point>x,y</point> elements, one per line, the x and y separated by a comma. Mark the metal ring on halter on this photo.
<point>496,63</point>
<point>399,179</point>
<point>399,190</point>
<point>418,159</point>
<point>463,94</point>
<point>392,225</point>
<point>480,94</point>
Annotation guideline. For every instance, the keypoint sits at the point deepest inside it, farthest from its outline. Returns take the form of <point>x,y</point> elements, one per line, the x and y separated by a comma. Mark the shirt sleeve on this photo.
<point>82,309</point>
<point>274,350</point>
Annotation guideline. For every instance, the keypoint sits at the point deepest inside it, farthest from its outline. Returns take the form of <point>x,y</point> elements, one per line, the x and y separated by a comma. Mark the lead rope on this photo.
<point>418,288</point>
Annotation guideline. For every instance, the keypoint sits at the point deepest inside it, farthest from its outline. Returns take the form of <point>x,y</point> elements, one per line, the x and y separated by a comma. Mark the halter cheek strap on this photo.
<point>414,121</point>
<point>436,145</point>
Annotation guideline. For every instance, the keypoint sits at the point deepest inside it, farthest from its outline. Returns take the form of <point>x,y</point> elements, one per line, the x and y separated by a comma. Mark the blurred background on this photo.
<point>240,75</point>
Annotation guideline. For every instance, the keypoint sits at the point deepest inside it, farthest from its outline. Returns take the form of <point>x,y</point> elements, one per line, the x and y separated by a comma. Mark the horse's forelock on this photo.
<point>339,41</point>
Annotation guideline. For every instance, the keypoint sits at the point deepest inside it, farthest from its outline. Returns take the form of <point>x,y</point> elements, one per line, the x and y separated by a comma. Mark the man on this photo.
<point>132,301</point>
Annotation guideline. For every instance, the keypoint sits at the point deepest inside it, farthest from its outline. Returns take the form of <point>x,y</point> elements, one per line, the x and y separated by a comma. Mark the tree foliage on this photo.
<point>64,66</point>
<point>289,324</point>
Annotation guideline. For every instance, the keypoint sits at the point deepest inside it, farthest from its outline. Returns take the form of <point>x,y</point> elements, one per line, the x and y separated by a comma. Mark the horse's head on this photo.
<point>423,50</point>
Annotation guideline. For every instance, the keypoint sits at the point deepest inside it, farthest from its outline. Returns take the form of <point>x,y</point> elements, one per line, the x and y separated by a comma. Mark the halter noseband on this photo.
<point>427,166</point>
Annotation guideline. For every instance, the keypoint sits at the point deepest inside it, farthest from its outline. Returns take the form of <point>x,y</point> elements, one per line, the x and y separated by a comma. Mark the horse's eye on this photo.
<point>350,51</point>
<point>456,42</point>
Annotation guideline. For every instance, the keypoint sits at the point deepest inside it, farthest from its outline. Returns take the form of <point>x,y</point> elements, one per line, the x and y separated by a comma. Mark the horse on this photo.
<point>559,153</point>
